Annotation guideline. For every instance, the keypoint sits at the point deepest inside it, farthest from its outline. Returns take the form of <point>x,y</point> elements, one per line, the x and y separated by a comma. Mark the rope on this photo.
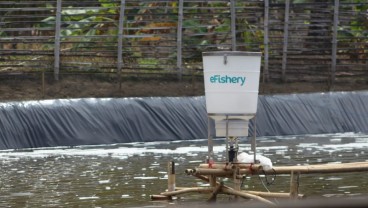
<point>273,178</point>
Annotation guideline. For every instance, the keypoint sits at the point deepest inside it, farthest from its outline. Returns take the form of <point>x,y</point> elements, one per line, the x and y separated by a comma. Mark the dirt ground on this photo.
<point>32,88</point>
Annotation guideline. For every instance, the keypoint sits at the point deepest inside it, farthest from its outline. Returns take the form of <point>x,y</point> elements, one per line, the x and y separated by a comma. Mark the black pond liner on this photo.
<point>91,121</point>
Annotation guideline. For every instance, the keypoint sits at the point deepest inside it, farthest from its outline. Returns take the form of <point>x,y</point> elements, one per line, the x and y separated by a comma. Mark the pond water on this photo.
<point>125,175</point>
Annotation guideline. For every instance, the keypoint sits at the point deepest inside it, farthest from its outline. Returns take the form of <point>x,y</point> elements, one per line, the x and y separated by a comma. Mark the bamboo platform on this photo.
<point>235,171</point>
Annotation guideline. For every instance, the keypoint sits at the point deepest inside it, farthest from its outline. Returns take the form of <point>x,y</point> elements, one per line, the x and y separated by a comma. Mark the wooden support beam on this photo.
<point>171,176</point>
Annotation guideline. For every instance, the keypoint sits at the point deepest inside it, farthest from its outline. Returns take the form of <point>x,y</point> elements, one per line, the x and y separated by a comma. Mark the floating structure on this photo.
<point>231,86</point>
<point>212,174</point>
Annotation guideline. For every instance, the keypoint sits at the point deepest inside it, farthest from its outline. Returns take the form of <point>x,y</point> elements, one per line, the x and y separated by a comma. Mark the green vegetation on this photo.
<point>354,37</point>
<point>89,34</point>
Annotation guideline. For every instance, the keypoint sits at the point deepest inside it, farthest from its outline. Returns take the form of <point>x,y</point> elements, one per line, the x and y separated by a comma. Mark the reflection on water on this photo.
<point>125,175</point>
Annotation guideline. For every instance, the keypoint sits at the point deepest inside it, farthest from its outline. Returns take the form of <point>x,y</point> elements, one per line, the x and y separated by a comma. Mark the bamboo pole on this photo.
<point>227,139</point>
<point>180,188</point>
<point>294,185</point>
<point>222,173</point>
<point>188,190</point>
<point>219,189</point>
<point>205,178</point>
<point>230,166</point>
<point>216,172</point>
<point>228,190</point>
<point>210,141</point>
<point>215,191</point>
<point>273,194</point>
<point>247,196</point>
<point>219,169</point>
<point>213,181</point>
<point>184,190</point>
<point>257,193</point>
<point>254,139</point>
<point>236,179</point>
<point>160,197</point>
<point>323,168</point>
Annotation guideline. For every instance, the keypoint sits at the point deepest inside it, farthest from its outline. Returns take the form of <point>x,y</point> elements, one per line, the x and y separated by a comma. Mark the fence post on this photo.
<point>233,25</point>
<point>57,40</point>
<point>179,43</point>
<point>266,41</point>
<point>285,42</point>
<point>120,41</point>
<point>334,44</point>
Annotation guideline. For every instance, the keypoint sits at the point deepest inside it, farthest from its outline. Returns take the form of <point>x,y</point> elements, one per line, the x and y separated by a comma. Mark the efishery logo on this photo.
<point>227,79</point>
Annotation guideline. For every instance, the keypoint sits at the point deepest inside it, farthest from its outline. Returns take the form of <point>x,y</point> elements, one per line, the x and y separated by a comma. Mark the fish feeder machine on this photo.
<point>231,88</point>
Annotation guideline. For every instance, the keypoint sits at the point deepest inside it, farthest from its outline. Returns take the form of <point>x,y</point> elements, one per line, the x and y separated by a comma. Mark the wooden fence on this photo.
<point>310,40</point>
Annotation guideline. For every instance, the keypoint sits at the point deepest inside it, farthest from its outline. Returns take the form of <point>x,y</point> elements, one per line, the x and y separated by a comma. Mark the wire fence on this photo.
<point>309,40</point>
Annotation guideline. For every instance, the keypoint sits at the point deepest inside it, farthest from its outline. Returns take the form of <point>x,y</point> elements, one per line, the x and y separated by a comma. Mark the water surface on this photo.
<point>125,175</point>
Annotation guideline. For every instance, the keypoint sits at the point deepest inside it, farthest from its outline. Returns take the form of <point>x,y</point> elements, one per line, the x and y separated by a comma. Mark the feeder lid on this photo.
<point>231,53</point>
